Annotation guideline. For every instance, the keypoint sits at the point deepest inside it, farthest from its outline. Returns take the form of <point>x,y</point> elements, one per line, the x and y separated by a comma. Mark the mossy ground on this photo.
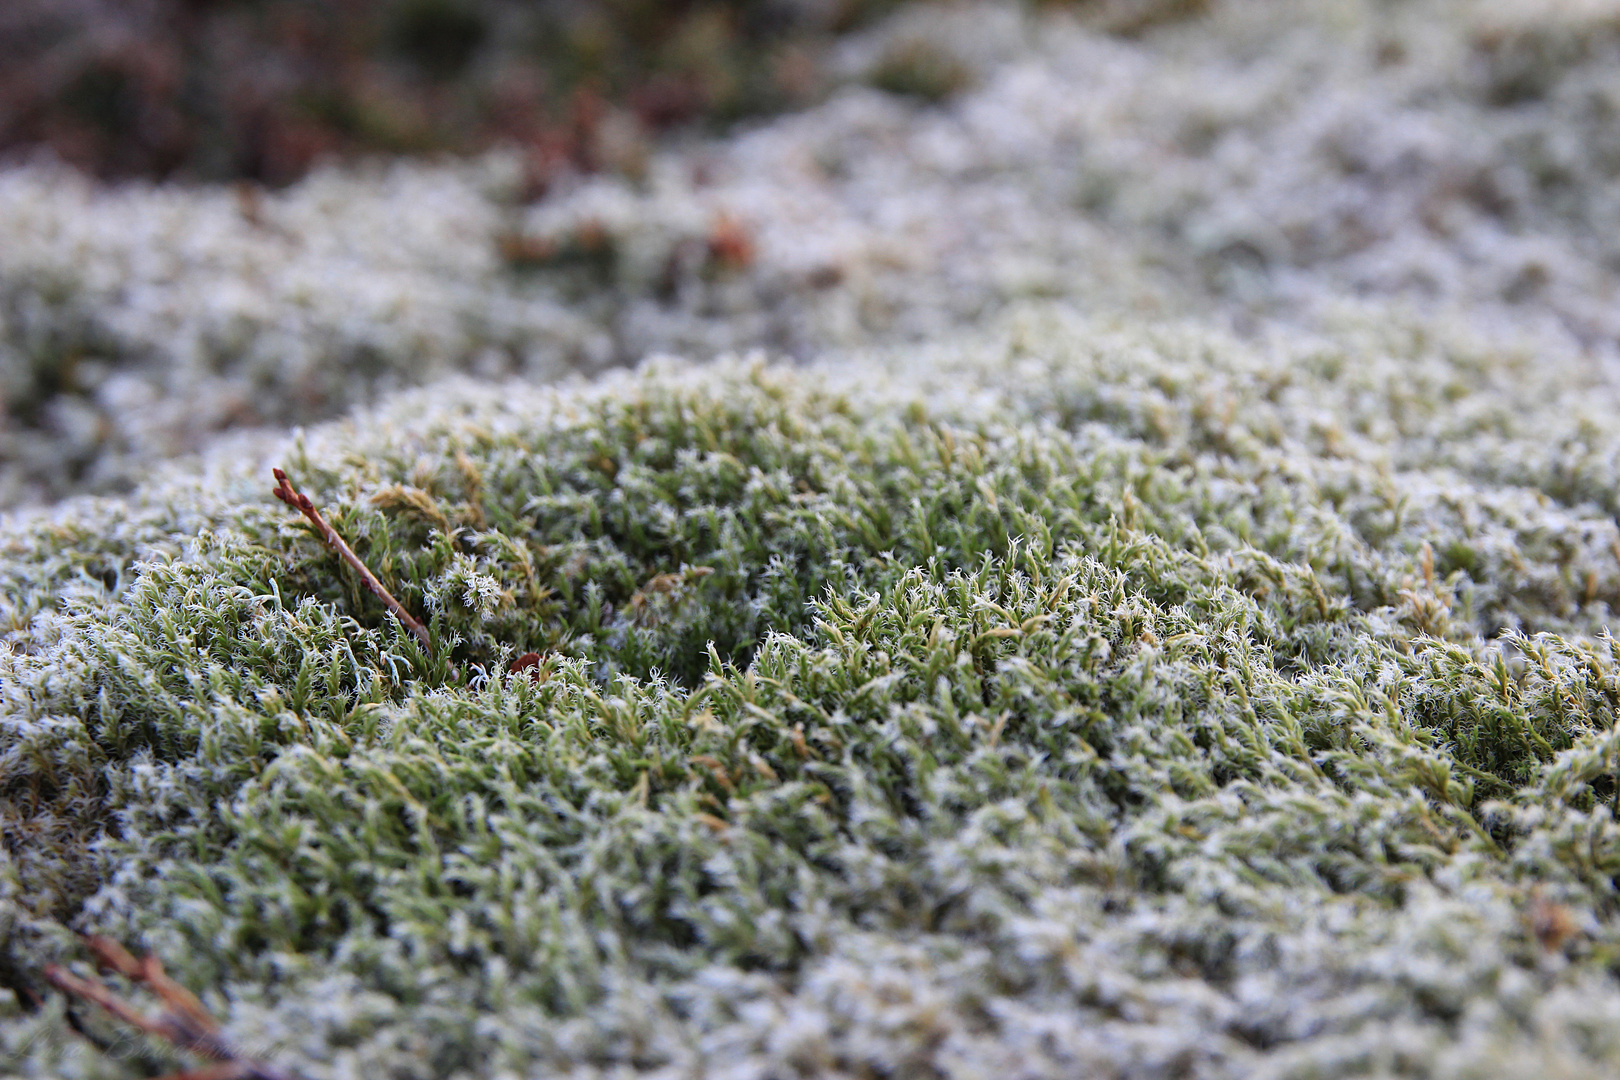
<point>1072,701</point>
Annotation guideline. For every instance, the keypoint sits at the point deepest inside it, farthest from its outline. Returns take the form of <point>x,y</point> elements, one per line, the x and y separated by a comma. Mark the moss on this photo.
<point>921,69</point>
<point>1017,710</point>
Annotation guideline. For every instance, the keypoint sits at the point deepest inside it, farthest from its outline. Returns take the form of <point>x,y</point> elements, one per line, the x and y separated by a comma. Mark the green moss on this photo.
<point>879,728</point>
<point>921,69</point>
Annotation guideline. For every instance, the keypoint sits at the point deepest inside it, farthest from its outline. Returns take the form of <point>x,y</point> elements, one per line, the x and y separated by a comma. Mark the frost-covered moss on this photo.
<point>1253,162</point>
<point>1071,700</point>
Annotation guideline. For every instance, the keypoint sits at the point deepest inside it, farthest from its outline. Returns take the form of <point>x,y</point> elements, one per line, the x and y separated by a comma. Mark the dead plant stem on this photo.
<point>300,502</point>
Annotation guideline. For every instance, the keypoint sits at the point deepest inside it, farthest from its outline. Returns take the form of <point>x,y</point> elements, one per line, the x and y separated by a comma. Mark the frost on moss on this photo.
<point>1067,701</point>
<point>1256,163</point>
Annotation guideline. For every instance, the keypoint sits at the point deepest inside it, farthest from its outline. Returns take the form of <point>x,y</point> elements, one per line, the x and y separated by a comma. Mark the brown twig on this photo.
<point>300,502</point>
<point>185,1025</point>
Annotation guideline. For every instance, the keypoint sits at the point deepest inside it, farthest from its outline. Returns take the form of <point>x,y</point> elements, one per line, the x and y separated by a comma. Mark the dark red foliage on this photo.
<point>261,90</point>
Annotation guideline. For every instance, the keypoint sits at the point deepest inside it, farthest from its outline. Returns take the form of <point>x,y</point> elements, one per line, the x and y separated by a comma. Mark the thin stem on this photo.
<point>300,502</point>
<point>112,956</point>
<point>187,1025</point>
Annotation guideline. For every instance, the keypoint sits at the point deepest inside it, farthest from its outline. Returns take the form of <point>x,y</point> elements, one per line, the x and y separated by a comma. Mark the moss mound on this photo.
<point>1072,702</point>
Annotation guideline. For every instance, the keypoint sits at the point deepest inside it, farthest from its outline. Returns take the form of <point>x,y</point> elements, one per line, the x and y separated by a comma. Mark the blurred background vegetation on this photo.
<point>260,90</point>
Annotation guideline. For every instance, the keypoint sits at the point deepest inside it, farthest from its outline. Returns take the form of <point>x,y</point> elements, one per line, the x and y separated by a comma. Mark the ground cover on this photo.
<point>1144,609</point>
<point>1249,166</point>
<point>1057,703</point>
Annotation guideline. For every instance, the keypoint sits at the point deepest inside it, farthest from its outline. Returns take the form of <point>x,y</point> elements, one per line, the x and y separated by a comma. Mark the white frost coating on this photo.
<point>1262,164</point>
<point>1048,961</point>
<point>1345,273</point>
